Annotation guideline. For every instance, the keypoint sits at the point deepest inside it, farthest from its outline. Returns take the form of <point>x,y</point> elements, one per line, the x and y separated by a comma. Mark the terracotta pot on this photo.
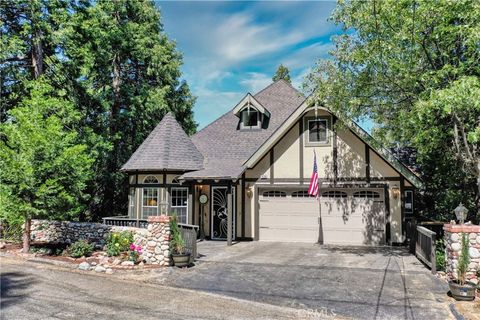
<point>462,293</point>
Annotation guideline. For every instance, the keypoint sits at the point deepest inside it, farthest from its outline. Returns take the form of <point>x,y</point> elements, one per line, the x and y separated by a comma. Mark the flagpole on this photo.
<point>320,228</point>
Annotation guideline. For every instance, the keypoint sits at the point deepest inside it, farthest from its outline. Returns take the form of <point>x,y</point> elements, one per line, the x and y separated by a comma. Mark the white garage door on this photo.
<point>349,216</point>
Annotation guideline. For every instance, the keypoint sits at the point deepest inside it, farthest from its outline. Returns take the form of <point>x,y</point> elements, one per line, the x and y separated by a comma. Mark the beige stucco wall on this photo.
<point>350,164</point>
<point>261,169</point>
<point>350,155</point>
<point>379,168</point>
<point>286,155</point>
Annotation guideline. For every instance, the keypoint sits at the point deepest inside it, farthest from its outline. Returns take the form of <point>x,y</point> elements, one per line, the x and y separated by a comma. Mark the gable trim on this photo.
<point>250,100</point>
<point>355,128</point>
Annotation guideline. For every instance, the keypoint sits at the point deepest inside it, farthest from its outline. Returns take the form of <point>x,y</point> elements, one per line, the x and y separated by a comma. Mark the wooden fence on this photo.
<point>425,247</point>
<point>189,234</point>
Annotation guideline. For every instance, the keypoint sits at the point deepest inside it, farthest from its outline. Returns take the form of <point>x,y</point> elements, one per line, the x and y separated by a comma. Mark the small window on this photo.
<point>179,203</point>
<point>317,131</point>
<point>408,201</point>
<point>274,194</point>
<point>150,202</point>
<point>250,119</point>
<point>150,179</point>
<point>300,194</point>
<point>366,194</point>
<point>131,203</point>
<point>334,194</point>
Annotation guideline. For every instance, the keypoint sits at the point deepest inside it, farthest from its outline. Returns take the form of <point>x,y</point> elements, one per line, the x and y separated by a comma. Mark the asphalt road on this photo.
<point>35,291</point>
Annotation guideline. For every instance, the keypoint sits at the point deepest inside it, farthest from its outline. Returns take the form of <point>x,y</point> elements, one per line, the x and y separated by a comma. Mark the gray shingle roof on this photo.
<point>167,147</point>
<point>225,149</point>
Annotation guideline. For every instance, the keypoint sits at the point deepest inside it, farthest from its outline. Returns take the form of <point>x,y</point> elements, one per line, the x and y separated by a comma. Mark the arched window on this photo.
<point>150,179</point>
<point>366,194</point>
<point>334,194</point>
<point>274,194</point>
<point>300,194</point>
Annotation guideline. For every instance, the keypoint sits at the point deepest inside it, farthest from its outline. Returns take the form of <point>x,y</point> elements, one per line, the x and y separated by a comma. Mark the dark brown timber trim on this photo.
<point>300,153</point>
<point>272,159</point>
<point>402,200</point>
<point>367,162</point>
<point>335,150</point>
<point>387,214</point>
<point>243,186</point>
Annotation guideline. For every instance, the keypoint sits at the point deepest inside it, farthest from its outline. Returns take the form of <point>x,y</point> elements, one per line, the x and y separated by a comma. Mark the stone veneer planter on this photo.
<point>453,247</point>
<point>157,250</point>
<point>155,240</point>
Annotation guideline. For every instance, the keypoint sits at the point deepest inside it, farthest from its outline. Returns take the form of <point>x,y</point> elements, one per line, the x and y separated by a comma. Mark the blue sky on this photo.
<point>231,48</point>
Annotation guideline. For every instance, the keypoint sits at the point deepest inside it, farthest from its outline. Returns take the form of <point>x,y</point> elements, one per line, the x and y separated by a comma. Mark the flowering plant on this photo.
<point>134,252</point>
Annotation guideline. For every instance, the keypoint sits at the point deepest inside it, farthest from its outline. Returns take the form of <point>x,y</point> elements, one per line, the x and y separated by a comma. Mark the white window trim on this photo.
<point>259,120</point>
<point>158,201</point>
<point>150,176</point>
<point>327,136</point>
<point>188,204</point>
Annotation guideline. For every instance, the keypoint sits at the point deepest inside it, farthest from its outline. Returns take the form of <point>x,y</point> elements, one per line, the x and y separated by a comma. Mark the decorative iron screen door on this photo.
<point>219,226</point>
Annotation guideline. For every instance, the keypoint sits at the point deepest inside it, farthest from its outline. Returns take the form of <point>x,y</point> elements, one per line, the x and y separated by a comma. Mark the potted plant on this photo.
<point>177,245</point>
<point>461,289</point>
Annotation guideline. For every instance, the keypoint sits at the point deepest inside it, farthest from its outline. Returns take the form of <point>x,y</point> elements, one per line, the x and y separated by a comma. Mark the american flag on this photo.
<point>313,187</point>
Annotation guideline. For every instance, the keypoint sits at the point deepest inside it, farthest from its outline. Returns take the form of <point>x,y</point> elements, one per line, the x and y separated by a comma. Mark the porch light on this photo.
<point>249,191</point>
<point>395,191</point>
<point>461,213</point>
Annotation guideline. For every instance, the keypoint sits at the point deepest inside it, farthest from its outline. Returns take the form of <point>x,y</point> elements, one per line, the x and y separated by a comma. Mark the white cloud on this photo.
<point>256,81</point>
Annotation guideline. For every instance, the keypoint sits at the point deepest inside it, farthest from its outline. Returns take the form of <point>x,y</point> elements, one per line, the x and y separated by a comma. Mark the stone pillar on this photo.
<point>453,247</point>
<point>157,250</point>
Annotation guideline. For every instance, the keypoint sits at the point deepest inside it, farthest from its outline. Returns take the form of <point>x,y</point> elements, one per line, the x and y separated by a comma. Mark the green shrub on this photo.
<point>177,244</point>
<point>80,248</point>
<point>118,242</point>
<point>463,260</point>
<point>440,255</point>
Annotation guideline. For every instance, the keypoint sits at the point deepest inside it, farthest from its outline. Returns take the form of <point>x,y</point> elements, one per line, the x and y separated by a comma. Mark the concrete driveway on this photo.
<point>359,283</point>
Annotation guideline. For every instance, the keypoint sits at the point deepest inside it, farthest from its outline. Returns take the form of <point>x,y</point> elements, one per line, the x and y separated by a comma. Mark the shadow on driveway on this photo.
<point>14,287</point>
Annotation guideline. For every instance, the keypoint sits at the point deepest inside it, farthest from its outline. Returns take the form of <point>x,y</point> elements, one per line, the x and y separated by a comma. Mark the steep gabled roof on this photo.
<point>362,134</point>
<point>226,149</point>
<point>167,147</point>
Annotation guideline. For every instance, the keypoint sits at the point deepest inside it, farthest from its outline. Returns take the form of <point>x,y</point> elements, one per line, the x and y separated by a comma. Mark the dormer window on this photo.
<point>250,119</point>
<point>251,113</point>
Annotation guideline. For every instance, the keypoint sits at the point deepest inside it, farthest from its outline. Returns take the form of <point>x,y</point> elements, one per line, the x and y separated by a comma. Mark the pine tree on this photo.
<point>282,73</point>
<point>129,79</point>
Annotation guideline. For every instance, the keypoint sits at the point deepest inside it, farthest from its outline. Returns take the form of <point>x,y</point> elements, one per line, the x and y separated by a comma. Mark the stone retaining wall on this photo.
<point>155,240</point>
<point>453,247</point>
<point>66,232</point>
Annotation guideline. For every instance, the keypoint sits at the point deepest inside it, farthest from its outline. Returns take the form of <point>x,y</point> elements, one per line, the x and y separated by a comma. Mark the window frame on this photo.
<point>300,194</point>
<point>367,194</point>
<point>259,119</point>
<point>337,194</point>
<point>147,206</point>
<point>149,177</point>
<point>409,210</point>
<point>327,120</point>
<point>187,202</point>
<point>274,194</point>
<point>132,202</point>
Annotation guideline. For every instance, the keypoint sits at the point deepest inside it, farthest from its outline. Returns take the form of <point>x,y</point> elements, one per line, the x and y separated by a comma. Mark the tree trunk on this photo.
<point>26,235</point>
<point>477,195</point>
<point>37,43</point>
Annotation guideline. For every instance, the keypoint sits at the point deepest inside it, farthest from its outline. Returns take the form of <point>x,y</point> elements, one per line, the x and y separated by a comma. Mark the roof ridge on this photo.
<point>275,82</point>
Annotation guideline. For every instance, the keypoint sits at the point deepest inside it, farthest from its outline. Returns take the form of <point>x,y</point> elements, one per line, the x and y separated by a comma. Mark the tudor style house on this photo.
<point>245,176</point>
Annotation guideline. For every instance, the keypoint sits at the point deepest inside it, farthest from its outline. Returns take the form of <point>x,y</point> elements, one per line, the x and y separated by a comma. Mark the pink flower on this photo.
<point>139,249</point>
<point>132,247</point>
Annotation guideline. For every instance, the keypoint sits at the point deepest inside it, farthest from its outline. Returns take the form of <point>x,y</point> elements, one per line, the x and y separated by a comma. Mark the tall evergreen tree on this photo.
<point>96,76</point>
<point>282,73</point>
<point>128,73</point>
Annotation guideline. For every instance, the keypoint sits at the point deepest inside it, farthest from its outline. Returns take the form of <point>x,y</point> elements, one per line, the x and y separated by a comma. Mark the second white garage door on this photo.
<point>349,216</point>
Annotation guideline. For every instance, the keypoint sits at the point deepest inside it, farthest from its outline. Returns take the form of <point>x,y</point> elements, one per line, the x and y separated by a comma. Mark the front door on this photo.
<point>219,213</point>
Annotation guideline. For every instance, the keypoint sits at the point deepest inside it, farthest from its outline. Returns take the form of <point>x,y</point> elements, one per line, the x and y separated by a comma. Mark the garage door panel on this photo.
<point>346,219</point>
